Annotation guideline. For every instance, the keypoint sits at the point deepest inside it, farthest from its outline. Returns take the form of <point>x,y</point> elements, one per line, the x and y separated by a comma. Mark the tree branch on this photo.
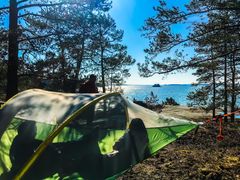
<point>22,1</point>
<point>46,5</point>
<point>4,8</point>
<point>40,37</point>
<point>193,38</point>
<point>188,64</point>
<point>184,15</point>
<point>38,5</point>
<point>39,15</point>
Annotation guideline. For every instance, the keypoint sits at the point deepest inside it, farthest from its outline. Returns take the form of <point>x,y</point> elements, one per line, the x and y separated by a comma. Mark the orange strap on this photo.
<point>220,136</point>
<point>229,114</point>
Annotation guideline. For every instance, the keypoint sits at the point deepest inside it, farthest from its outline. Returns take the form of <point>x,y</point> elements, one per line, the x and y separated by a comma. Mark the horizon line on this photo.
<point>162,84</point>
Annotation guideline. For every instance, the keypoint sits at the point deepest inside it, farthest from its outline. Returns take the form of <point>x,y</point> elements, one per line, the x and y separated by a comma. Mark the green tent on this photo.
<point>50,135</point>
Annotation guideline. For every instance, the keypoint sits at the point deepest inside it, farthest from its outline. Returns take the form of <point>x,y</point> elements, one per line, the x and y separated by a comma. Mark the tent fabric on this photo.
<point>152,119</point>
<point>89,136</point>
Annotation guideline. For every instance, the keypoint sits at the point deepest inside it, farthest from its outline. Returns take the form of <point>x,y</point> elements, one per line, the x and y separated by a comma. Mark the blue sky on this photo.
<point>130,16</point>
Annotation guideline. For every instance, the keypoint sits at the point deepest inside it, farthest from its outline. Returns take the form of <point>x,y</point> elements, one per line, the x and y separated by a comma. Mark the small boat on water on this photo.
<point>156,85</point>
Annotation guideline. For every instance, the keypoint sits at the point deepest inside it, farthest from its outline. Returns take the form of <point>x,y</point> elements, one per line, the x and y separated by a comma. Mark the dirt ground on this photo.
<point>194,156</point>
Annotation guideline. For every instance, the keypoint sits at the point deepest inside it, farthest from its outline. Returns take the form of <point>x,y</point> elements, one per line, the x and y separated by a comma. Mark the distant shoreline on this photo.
<point>159,84</point>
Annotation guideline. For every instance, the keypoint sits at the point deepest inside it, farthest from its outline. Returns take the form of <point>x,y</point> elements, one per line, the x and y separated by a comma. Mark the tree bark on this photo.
<point>12,77</point>
<point>213,81</point>
<point>63,65</point>
<point>233,94</point>
<point>79,64</point>
<point>103,72</point>
<point>111,82</point>
<point>225,85</point>
<point>214,88</point>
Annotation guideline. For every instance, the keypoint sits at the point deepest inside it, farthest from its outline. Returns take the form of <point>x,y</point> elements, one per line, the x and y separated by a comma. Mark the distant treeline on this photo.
<point>152,102</point>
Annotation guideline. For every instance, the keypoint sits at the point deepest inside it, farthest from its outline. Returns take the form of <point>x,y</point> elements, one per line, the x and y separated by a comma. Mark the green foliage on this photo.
<point>170,101</point>
<point>110,57</point>
<point>213,33</point>
<point>60,43</point>
<point>151,100</point>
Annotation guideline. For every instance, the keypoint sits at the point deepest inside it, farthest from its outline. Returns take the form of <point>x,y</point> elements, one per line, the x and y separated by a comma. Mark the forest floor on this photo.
<point>194,156</point>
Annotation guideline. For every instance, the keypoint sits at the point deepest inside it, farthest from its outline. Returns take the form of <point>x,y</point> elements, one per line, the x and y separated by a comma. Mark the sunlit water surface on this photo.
<point>176,91</point>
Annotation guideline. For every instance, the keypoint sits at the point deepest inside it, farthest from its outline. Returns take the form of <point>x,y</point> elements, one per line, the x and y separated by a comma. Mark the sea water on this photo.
<point>178,92</point>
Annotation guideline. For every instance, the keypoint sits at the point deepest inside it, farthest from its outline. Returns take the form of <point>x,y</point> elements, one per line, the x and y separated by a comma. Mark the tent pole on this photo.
<point>50,138</point>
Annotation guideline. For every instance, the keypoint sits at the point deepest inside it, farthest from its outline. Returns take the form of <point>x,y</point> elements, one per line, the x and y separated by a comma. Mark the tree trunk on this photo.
<point>12,76</point>
<point>111,82</point>
<point>225,85</point>
<point>233,94</point>
<point>103,72</point>
<point>214,94</point>
<point>214,88</point>
<point>63,66</point>
<point>79,64</point>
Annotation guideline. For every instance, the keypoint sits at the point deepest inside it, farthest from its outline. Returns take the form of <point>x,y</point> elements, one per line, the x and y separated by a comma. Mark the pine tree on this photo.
<point>18,11</point>
<point>214,36</point>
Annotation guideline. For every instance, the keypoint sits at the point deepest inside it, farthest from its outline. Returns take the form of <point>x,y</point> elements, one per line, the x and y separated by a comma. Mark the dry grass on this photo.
<point>186,113</point>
